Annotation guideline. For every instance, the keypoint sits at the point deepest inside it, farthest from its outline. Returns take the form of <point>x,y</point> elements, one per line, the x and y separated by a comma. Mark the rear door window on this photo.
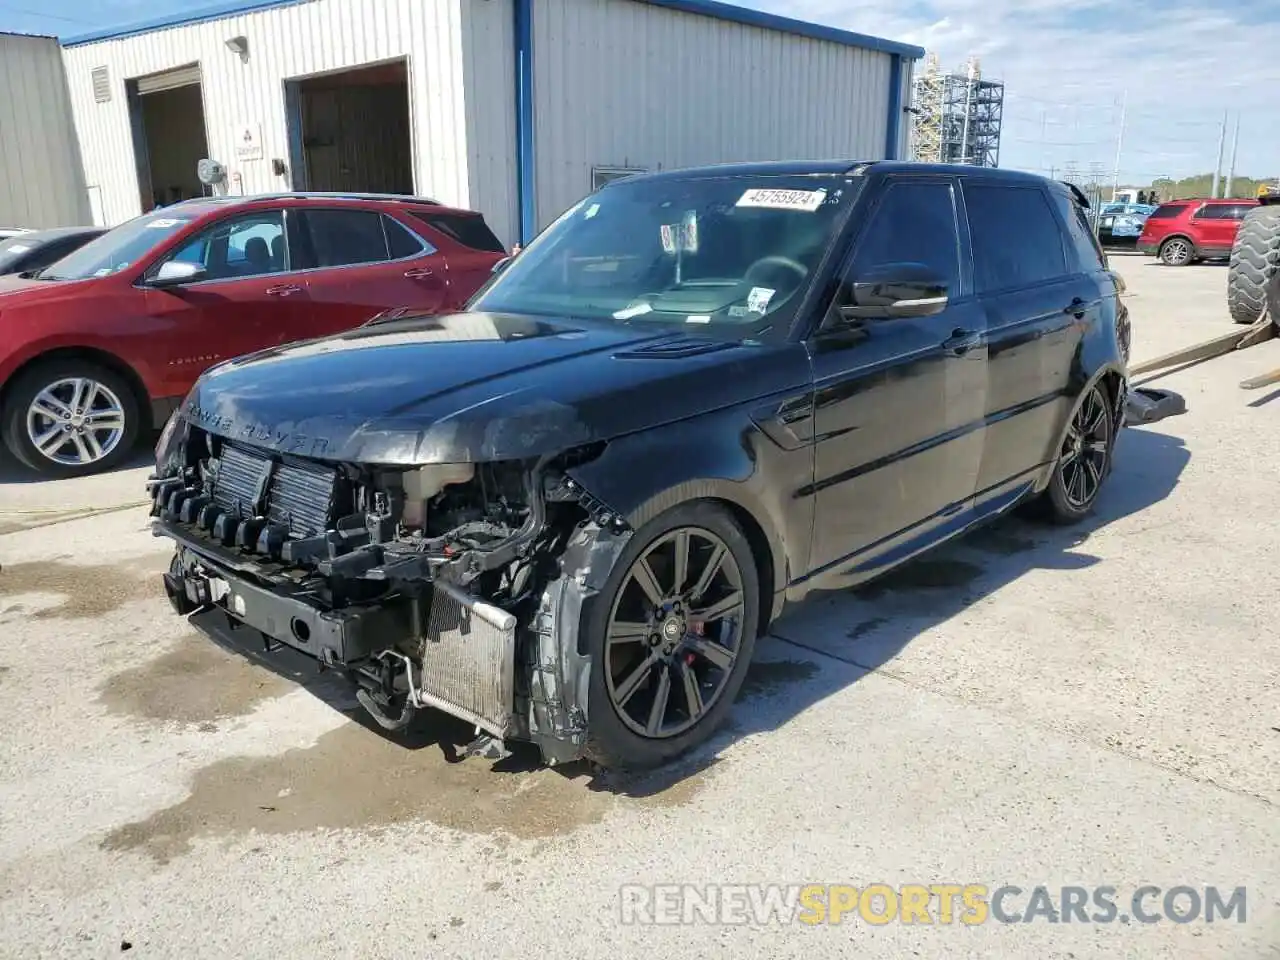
<point>1214,211</point>
<point>340,238</point>
<point>402,244</point>
<point>1167,211</point>
<point>1016,238</point>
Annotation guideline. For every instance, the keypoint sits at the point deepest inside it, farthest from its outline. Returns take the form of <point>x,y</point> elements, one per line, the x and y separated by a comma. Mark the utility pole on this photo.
<point>1231,170</point>
<point>1115,183</point>
<point>1217,167</point>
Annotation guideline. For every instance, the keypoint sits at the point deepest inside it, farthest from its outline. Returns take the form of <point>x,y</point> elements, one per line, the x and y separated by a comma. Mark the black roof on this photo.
<point>801,168</point>
<point>38,237</point>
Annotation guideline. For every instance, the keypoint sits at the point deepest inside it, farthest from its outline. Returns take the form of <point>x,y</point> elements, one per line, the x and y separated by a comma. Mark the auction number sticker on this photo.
<point>164,222</point>
<point>806,200</point>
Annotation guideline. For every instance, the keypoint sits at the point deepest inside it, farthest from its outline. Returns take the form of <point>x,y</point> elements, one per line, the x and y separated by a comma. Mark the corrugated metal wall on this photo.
<point>309,37</point>
<point>619,83</point>
<point>41,181</point>
<point>489,91</point>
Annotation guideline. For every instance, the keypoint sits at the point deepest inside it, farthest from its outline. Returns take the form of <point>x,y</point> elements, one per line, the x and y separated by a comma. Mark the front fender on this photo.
<point>721,456</point>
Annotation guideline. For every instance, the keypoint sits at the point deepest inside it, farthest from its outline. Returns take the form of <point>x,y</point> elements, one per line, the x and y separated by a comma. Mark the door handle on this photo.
<point>283,290</point>
<point>961,342</point>
<point>1077,307</point>
<point>419,273</point>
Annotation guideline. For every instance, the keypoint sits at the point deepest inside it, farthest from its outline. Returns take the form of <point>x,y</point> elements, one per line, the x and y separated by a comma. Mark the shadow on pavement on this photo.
<point>852,632</point>
<point>840,637</point>
<point>12,471</point>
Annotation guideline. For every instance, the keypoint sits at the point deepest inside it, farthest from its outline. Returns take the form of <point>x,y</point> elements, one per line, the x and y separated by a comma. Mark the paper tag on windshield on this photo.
<point>164,223</point>
<point>591,211</point>
<point>806,200</point>
<point>698,318</point>
<point>18,248</point>
<point>758,299</point>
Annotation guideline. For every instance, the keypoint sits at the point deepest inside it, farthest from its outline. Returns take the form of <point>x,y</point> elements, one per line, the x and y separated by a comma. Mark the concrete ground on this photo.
<point>1095,706</point>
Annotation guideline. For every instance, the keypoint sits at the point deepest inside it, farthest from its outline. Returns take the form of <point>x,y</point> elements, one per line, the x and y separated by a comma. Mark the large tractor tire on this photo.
<point>1255,259</point>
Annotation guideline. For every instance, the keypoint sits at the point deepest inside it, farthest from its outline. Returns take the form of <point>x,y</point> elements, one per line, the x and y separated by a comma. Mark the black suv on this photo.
<point>567,514</point>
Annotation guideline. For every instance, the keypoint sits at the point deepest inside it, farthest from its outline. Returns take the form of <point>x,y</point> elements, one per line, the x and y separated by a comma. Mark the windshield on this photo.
<point>732,255</point>
<point>116,249</point>
<point>13,250</point>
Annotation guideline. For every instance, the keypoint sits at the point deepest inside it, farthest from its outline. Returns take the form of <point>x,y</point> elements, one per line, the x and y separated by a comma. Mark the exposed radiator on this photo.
<point>468,659</point>
<point>298,496</point>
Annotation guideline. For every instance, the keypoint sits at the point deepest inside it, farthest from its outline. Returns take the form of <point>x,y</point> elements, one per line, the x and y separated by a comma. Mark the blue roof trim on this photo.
<point>198,15</point>
<point>706,8</point>
<point>771,21</point>
<point>892,128</point>
<point>526,184</point>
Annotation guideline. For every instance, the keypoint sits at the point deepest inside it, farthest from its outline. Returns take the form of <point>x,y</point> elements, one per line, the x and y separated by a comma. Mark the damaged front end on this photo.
<point>456,586</point>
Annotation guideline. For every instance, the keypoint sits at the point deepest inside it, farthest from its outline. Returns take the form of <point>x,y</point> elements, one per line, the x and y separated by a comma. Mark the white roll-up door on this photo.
<point>177,77</point>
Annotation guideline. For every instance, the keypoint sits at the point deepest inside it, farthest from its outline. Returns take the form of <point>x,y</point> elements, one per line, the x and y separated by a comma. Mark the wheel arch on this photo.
<point>103,358</point>
<point>620,479</point>
<point>1179,235</point>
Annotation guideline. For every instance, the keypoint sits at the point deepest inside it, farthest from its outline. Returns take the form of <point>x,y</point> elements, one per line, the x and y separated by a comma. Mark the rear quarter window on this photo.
<point>470,231</point>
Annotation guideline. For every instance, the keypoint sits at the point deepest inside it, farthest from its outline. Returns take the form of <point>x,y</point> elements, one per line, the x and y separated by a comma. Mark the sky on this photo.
<point>1071,69</point>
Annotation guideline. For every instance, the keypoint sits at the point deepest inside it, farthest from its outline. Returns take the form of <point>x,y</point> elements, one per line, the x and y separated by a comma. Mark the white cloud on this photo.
<point>1067,64</point>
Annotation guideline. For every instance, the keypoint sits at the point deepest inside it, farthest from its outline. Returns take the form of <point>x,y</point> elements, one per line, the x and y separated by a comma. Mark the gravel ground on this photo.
<point>1095,706</point>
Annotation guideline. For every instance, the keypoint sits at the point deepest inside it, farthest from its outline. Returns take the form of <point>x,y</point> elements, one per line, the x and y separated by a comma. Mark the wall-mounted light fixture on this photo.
<point>240,47</point>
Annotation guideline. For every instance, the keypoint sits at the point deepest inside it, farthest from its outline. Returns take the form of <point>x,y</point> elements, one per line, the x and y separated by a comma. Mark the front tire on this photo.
<point>70,418</point>
<point>1177,252</point>
<point>671,637</point>
<point>1084,459</point>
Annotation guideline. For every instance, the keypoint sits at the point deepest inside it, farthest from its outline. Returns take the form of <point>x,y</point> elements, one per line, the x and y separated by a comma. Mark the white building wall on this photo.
<point>41,180</point>
<point>620,83</point>
<point>311,36</point>
<point>488,67</point>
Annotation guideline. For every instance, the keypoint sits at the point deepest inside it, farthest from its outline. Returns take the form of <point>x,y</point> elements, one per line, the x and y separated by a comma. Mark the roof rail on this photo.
<point>341,195</point>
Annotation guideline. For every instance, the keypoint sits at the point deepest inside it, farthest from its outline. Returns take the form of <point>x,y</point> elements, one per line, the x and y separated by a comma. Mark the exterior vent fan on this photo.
<point>101,85</point>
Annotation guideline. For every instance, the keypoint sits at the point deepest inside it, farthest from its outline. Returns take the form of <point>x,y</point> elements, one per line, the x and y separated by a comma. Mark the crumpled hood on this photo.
<point>473,387</point>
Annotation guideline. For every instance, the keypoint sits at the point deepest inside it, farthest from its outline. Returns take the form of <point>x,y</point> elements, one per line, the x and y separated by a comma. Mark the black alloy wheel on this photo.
<point>672,645</point>
<point>1084,460</point>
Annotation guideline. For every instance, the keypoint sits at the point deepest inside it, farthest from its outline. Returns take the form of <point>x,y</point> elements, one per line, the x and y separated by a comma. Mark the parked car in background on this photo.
<point>1120,224</point>
<point>567,514</point>
<point>36,249</point>
<point>101,345</point>
<point>1183,231</point>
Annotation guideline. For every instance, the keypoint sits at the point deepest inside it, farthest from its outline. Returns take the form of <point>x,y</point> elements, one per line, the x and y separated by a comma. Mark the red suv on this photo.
<point>104,343</point>
<point>1184,231</point>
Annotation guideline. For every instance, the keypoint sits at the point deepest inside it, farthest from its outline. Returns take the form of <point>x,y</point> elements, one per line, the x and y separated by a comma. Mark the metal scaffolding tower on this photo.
<point>956,116</point>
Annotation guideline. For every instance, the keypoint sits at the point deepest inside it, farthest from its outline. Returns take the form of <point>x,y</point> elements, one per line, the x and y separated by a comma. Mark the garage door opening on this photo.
<point>349,131</point>
<point>166,111</point>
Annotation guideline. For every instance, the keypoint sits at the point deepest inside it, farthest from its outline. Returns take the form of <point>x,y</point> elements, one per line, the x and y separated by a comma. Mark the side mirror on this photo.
<point>174,273</point>
<point>895,290</point>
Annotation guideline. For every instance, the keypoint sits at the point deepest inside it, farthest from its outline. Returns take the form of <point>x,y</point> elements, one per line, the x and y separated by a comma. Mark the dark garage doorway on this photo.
<point>349,131</point>
<point>166,112</point>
